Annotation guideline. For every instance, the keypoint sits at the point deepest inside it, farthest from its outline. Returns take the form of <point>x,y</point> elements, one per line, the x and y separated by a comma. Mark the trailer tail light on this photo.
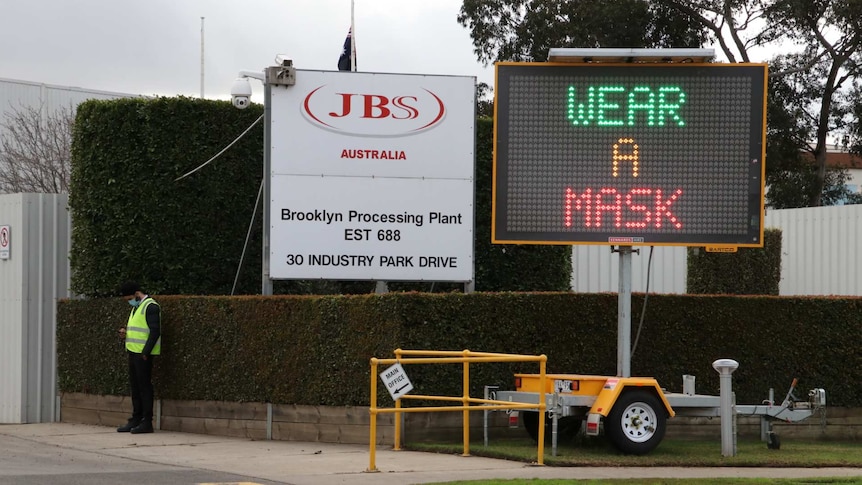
<point>513,419</point>
<point>517,383</point>
<point>593,424</point>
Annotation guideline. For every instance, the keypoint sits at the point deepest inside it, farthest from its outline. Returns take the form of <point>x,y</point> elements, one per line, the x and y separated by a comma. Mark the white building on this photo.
<point>15,94</point>
<point>837,157</point>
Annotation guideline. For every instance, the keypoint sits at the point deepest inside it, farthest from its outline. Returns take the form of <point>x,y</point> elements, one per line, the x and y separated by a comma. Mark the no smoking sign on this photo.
<point>5,242</point>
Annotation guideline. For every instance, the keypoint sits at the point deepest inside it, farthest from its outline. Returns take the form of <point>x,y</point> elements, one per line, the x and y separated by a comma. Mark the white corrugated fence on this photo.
<point>33,275</point>
<point>819,256</point>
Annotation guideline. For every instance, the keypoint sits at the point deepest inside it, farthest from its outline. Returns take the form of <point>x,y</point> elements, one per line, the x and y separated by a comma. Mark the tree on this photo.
<point>791,175</point>
<point>525,30</point>
<point>35,150</point>
<point>792,187</point>
<point>484,101</point>
<point>853,139</point>
<point>830,35</point>
<point>810,98</point>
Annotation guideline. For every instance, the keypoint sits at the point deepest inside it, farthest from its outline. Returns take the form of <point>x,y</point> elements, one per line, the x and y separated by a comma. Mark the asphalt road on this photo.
<point>28,462</point>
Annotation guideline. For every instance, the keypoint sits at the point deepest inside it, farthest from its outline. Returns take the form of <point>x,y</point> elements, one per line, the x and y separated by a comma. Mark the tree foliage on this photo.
<point>814,97</point>
<point>853,138</point>
<point>791,175</point>
<point>525,30</point>
<point>818,76</point>
<point>35,150</point>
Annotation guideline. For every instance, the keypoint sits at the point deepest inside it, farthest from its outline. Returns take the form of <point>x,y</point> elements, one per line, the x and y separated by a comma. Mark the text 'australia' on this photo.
<point>374,154</point>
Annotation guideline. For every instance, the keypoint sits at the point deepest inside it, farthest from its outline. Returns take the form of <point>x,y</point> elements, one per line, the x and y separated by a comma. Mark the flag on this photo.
<point>344,60</point>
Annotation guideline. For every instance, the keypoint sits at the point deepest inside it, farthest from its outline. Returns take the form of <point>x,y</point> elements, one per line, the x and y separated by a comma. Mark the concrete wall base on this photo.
<point>351,424</point>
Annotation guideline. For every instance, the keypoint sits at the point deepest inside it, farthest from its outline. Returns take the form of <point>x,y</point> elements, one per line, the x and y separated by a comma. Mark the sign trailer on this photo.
<point>662,151</point>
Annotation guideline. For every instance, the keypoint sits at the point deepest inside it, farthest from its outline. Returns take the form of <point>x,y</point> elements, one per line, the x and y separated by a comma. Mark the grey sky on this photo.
<point>153,46</point>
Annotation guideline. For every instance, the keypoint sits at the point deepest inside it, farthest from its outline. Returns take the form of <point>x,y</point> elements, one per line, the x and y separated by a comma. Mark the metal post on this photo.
<point>725,368</point>
<point>624,312</point>
<point>543,367</point>
<point>269,421</point>
<point>158,414</point>
<point>465,399</point>
<point>486,414</point>
<point>372,409</point>
<point>202,57</point>
<point>398,423</point>
<point>555,424</point>
<point>765,425</point>
<point>266,283</point>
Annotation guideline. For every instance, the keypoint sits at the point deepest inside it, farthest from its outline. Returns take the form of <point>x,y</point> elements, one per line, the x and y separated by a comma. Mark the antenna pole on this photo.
<point>202,57</point>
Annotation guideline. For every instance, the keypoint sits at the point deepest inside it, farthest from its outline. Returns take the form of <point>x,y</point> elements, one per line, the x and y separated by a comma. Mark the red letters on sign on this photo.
<point>377,106</point>
<point>608,203</point>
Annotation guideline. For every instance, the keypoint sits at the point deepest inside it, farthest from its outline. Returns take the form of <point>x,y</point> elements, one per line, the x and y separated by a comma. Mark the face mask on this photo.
<point>134,302</point>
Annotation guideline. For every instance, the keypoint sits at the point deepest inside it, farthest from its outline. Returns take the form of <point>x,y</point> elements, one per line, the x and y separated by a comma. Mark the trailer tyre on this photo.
<point>567,428</point>
<point>637,422</point>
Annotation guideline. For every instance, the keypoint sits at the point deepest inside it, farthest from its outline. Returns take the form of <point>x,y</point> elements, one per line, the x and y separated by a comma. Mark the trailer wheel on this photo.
<point>567,428</point>
<point>637,422</point>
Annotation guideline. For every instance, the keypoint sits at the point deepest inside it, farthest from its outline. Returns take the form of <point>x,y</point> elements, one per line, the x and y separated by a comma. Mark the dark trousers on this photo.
<point>140,380</point>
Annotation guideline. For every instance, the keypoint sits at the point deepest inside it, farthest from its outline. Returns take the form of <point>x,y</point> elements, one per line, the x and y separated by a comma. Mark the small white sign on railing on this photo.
<point>396,381</point>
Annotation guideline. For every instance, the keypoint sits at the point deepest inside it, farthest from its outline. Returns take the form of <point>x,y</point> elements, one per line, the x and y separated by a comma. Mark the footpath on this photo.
<point>306,463</point>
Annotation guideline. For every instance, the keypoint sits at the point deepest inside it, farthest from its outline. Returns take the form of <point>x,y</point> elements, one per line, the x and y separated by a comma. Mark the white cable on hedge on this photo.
<point>222,151</point>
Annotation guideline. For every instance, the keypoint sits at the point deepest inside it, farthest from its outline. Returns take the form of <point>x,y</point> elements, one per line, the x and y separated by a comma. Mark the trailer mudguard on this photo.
<point>614,386</point>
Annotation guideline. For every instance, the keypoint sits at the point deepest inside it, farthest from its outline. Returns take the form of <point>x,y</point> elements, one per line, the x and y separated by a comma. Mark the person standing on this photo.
<point>142,335</point>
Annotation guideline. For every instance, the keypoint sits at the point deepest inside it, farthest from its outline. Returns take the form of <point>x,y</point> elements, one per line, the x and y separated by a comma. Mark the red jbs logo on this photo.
<point>373,114</point>
<point>379,106</point>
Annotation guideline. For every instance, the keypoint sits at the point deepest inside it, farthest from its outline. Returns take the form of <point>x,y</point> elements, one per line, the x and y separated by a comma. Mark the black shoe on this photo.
<point>128,426</point>
<point>144,427</point>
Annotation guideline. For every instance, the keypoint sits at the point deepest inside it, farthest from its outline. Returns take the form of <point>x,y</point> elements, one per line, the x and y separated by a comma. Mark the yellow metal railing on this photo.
<point>464,357</point>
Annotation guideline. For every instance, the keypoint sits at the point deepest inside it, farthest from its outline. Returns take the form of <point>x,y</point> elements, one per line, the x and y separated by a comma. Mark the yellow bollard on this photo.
<point>397,417</point>
<point>372,434</point>
<point>466,402</point>
<point>542,408</point>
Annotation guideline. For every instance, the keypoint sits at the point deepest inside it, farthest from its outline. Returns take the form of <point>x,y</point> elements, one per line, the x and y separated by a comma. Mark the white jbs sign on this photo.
<point>372,177</point>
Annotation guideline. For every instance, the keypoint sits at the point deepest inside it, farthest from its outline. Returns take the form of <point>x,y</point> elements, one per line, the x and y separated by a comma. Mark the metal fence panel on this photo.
<point>820,249</point>
<point>595,269</point>
<point>34,276</point>
<point>819,256</point>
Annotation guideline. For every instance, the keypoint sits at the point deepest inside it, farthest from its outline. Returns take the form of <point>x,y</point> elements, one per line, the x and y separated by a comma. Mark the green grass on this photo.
<point>671,452</point>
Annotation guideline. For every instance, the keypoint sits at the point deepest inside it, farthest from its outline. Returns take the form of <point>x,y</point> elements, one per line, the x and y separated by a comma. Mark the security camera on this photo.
<point>283,60</point>
<point>240,93</point>
<point>241,102</point>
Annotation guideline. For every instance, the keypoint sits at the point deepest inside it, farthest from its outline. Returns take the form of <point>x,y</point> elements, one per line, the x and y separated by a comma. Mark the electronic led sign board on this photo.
<point>629,154</point>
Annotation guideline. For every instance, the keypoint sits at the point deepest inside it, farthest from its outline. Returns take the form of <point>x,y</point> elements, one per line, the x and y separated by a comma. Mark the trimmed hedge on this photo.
<point>750,271</point>
<point>316,350</point>
<point>133,220</point>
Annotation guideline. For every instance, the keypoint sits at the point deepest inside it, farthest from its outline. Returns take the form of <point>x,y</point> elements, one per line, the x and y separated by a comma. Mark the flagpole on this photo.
<point>202,57</point>
<point>353,38</point>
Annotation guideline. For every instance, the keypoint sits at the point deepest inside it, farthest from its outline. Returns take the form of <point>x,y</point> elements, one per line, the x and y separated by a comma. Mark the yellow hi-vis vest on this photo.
<point>137,330</point>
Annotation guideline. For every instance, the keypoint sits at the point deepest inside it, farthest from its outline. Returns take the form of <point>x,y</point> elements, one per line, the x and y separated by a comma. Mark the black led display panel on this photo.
<point>629,154</point>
